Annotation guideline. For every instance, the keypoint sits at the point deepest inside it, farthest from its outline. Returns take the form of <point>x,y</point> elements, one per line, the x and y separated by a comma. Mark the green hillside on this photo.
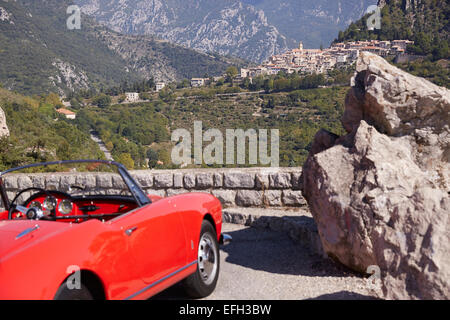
<point>38,133</point>
<point>39,38</point>
<point>426,22</point>
<point>143,130</point>
<point>39,54</point>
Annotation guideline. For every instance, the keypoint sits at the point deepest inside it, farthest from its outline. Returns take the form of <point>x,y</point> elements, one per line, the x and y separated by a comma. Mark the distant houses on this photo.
<point>69,114</point>
<point>319,61</point>
<point>199,82</point>
<point>131,96</point>
<point>160,85</point>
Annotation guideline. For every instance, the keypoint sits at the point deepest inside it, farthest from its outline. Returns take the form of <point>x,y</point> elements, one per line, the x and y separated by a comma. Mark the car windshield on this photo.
<point>78,179</point>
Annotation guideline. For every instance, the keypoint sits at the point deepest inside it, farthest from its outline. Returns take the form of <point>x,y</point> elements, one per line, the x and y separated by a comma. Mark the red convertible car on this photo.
<point>75,244</point>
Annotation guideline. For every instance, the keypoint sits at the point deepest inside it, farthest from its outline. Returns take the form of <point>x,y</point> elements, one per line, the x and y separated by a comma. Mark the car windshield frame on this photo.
<point>136,191</point>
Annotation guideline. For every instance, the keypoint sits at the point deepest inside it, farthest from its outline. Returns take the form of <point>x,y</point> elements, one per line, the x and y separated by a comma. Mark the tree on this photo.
<point>144,96</point>
<point>268,85</point>
<point>231,72</point>
<point>102,101</point>
<point>220,82</point>
<point>75,104</point>
<point>126,160</point>
<point>152,156</point>
<point>166,95</point>
<point>122,98</point>
<point>109,145</point>
<point>151,83</point>
<point>53,99</point>
<point>270,103</point>
<point>184,84</point>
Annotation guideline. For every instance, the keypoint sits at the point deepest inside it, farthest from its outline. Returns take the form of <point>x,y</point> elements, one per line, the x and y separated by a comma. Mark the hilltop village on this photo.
<point>321,60</point>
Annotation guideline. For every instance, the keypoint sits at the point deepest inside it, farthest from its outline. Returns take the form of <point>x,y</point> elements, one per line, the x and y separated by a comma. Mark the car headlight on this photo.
<point>65,206</point>
<point>50,203</point>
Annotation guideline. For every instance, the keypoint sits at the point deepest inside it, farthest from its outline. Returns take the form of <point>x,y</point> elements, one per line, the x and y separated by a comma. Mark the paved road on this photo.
<point>101,145</point>
<point>261,264</point>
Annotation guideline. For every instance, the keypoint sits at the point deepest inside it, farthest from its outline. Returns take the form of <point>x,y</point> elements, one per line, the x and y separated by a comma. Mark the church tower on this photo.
<point>300,46</point>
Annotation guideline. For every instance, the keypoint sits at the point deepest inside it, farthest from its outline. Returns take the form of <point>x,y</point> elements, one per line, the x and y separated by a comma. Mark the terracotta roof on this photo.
<point>65,111</point>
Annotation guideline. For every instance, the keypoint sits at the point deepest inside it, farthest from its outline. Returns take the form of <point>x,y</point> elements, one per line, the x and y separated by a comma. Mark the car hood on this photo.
<point>18,234</point>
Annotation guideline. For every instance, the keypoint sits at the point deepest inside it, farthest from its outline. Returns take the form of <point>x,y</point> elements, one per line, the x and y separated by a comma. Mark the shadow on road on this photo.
<point>275,252</point>
<point>343,295</point>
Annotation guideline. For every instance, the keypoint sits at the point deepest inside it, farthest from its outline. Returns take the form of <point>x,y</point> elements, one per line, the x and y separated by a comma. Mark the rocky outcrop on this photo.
<point>4,131</point>
<point>225,27</point>
<point>69,75</point>
<point>5,16</point>
<point>97,55</point>
<point>380,194</point>
<point>251,29</point>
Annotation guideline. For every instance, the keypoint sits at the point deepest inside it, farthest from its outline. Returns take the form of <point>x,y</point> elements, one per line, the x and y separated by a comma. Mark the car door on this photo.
<point>156,238</point>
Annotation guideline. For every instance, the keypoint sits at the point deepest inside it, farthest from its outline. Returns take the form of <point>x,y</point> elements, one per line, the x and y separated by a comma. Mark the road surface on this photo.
<point>261,264</point>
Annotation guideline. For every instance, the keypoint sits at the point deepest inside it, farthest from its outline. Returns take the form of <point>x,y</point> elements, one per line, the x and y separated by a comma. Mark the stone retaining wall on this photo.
<point>246,187</point>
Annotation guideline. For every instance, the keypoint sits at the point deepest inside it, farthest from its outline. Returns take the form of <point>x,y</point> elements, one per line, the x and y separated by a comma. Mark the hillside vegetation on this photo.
<point>142,130</point>
<point>426,22</point>
<point>39,54</point>
<point>38,133</point>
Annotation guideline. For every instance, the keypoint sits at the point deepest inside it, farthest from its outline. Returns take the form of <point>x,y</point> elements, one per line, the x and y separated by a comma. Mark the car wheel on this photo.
<point>203,282</point>
<point>65,293</point>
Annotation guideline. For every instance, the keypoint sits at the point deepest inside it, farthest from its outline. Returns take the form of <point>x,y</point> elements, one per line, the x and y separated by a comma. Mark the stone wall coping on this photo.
<point>241,187</point>
<point>169,171</point>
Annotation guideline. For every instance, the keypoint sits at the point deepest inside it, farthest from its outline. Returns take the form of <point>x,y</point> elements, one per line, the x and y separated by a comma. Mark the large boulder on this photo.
<point>4,131</point>
<point>380,194</point>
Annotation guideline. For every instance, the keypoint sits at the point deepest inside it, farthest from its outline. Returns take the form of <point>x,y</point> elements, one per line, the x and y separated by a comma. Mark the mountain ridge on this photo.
<point>418,20</point>
<point>250,29</point>
<point>226,27</point>
<point>50,58</point>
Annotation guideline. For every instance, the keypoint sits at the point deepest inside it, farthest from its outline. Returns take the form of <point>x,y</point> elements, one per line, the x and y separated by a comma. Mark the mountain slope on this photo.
<point>35,136</point>
<point>314,23</point>
<point>39,54</point>
<point>223,26</point>
<point>164,61</point>
<point>426,22</point>
<point>252,29</point>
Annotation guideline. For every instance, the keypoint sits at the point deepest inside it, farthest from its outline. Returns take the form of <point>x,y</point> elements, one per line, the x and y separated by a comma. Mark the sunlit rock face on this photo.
<point>4,131</point>
<point>380,194</point>
<point>251,29</point>
<point>225,27</point>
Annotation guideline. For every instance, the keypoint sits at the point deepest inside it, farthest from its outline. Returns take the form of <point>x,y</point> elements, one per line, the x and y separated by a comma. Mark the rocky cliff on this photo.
<point>380,194</point>
<point>244,28</point>
<point>40,54</point>
<point>226,27</point>
<point>4,131</point>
